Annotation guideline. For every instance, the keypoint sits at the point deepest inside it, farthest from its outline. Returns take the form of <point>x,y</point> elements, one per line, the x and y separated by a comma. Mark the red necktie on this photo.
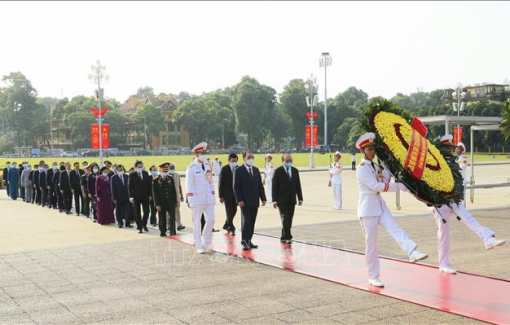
<point>250,174</point>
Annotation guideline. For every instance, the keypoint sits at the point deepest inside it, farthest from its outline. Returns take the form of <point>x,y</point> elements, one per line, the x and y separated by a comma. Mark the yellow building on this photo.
<point>494,93</point>
<point>172,137</point>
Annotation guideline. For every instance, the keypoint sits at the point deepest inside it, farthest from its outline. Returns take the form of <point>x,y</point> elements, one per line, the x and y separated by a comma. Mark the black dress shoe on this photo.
<point>162,234</point>
<point>181,227</point>
<point>129,226</point>
<point>120,226</point>
<point>232,232</point>
<point>215,230</point>
<point>246,248</point>
<point>146,229</point>
<point>140,231</point>
<point>254,246</point>
<point>225,227</point>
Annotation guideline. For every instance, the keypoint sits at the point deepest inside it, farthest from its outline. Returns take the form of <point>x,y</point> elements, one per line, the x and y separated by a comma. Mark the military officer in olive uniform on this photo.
<point>165,198</point>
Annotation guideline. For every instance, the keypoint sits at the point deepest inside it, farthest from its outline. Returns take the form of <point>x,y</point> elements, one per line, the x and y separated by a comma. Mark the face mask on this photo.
<point>54,167</point>
<point>40,168</point>
<point>155,173</point>
<point>288,164</point>
<point>139,170</point>
<point>171,171</point>
<point>105,174</point>
<point>202,158</point>
<point>233,164</point>
<point>8,165</point>
<point>28,167</point>
<point>121,172</point>
<point>164,174</point>
<point>95,170</point>
<point>14,166</point>
<point>249,162</point>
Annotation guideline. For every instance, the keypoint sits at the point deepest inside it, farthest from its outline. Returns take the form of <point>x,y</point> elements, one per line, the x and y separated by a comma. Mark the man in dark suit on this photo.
<point>5,176</point>
<point>66,188</point>
<point>140,189</point>
<point>120,196</point>
<point>226,192</point>
<point>52,194</point>
<point>56,185</point>
<point>22,188</point>
<point>43,185</point>
<point>248,190</point>
<point>36,183</point>
<point>76,175</point>
<point>32,180</point>
<point>286,186</point>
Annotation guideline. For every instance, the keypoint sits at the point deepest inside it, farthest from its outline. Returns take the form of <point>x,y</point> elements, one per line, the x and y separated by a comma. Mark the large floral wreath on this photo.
<point>428,170</point>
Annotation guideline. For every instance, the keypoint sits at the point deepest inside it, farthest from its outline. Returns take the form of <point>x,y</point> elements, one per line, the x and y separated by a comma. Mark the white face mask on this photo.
<point>55,167</point>
<point>28,167</point>
<point>8,165</point>
<point>40,168</point>
<point>14,166</point>
<point>139,170</point>
<point>121,172</point>
<point>95,170</point>
<point>105,173</point>
<point>233,164</point>
<point>202,158</point>
<point>249,162</point>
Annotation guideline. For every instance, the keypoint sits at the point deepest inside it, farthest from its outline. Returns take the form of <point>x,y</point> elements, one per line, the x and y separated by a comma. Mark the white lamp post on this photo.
<point>458,106</point>
<point>325,62</point>
<point>97,77</point>
<point>311,100</point>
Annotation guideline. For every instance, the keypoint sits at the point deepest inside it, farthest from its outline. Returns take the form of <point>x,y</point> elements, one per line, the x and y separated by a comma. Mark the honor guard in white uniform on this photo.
<point>269,171</point>
<point>335,170</point>
<point>217,168</point>
<point>201,197</point>
<point>459,210</point>
<point>372,210</point>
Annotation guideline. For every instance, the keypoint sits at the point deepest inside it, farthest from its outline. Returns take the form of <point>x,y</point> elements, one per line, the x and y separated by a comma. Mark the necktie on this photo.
<point>122,179</point>
<point>373,165</point>
<point>203,167</point>
<point>250,174</point>
<point>288,174</point>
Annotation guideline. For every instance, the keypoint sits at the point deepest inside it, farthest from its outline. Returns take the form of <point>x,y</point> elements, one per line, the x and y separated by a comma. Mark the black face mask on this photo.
<point>62,168</point>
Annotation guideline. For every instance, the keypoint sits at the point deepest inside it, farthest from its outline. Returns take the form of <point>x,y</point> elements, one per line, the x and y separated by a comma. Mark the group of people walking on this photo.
<point>105,194</point>
<point>109,192</point>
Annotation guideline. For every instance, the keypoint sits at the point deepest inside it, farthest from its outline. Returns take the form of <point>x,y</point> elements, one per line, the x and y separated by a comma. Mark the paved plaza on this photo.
<point>58,269</point>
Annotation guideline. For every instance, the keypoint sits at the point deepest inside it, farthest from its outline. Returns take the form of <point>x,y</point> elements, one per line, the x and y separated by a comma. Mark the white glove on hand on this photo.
<point>402,187</point>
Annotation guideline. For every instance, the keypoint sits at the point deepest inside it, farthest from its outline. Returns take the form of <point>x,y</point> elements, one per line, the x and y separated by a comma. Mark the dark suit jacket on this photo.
<point>5,176</point>
<point>43,179</point>
<point>55,180</point>
<point>247,190</point>
<point>226,184</point>
<point>49,177</point>
<point>65,182</point>
<point>120,193</point>
<point>76,178</point>
<point>138,189</point>
<point>36,179</point>
<point>285,192</point>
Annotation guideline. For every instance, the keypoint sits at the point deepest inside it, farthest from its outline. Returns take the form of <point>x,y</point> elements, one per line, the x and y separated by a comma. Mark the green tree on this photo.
<point>21,112</point>
<point>343,132</point>
<point>119,128</point>
<point>253,104</point>
<point>79,122</point>
<point>144,92</point>
<point>149,120</point>
<point>293,106</point>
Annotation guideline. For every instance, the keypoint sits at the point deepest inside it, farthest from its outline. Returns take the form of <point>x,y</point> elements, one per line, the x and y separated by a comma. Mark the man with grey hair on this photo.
<point>286,187</point>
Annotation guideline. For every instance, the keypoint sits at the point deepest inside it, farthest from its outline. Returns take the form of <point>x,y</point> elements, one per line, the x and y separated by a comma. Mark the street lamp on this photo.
<point>311,100</point>
<point>458,106</point>
<point>325,61</point>
<point>97,77</point>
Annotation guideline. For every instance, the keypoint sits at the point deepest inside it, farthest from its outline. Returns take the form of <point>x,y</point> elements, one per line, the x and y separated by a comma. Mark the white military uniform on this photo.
<point>217,169</point>
<point>372,211</point>
<point>444,212</point>
<point>201,199</point>
<point>269,171</point>
<point>335,171</point>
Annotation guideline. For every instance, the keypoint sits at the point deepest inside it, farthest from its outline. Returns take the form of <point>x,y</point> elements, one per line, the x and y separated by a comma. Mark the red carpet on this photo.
<point>478,297</point>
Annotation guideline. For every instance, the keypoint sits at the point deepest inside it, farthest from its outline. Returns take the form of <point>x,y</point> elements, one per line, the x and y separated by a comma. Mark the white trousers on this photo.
<point>269,191</point>
<point>443,232</point>
<point>337,196</point>
<point>205,239</point>
<point>369,226</point>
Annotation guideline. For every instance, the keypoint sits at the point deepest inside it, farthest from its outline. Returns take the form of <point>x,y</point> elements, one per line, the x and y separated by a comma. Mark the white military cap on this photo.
<point>201,147</point>
<point>447,139</point>
<point>365,139</point>
<point>337,153</point>
<point>269,155</point>
<point>462,146</point>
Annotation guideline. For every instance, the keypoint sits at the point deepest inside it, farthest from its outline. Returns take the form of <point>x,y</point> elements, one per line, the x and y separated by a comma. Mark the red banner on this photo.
<point>308,135</point>
<point>457,135</point>
<point>94,136</point>
<point>106,136</point>
<point>417,155</point>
